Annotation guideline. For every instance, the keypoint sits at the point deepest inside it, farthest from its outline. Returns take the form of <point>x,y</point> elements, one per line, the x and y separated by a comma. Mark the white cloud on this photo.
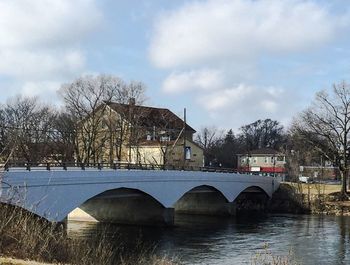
<point>200,32</point>
<point>40,40</point>
<point>206,79</point>
<point>40,88</point>
<point>222,99</point>
<point>219,51</point>
<point>43,23</point>
<point>29,65</point>
<point>242,104</point>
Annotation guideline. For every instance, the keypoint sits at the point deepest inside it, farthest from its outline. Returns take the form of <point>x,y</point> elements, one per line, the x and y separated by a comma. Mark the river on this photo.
<point>310,239</point>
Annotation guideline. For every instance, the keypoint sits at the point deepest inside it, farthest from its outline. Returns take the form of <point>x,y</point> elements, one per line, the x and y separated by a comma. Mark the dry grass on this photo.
<point>321,198</point>
<point>315,188</point>
<point>11,261</point>
<point>266,257</point>
<point>28,237</point>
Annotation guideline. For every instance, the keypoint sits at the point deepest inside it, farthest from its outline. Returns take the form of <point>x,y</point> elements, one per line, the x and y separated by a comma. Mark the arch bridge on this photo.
<point>129,195</point>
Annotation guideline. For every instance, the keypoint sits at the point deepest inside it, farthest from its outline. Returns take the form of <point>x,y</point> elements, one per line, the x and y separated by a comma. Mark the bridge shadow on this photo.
<point>124,206</point>
<point>133,206</point>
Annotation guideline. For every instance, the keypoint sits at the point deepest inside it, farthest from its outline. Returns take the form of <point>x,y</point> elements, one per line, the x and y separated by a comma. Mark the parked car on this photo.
<point>304,179</point>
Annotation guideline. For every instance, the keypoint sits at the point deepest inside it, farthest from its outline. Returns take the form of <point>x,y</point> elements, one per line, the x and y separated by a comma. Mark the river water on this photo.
<point>212,240</point>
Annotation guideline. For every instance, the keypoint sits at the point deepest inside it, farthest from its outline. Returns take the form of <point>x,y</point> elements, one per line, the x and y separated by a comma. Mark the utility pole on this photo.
<point>184,135</point>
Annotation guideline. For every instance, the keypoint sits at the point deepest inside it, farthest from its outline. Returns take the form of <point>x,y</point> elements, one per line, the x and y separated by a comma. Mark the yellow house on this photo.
<point>169,153</point>
<point>141,135</point>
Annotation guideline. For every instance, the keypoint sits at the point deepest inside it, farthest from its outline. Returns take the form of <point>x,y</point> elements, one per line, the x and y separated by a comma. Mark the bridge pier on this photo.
<point>231,208</point>
<point>205,200</point>
<point>169,216</point>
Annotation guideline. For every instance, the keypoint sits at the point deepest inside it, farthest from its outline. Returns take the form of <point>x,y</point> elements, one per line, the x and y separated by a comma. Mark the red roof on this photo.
<point>265,169</point>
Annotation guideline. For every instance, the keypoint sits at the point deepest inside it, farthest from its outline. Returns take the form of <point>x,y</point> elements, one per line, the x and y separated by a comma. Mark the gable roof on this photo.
<point>150,116</point>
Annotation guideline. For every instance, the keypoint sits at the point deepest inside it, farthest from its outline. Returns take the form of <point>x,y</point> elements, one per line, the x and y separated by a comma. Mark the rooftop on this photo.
<point>150,116</point>
<point>262,151</point>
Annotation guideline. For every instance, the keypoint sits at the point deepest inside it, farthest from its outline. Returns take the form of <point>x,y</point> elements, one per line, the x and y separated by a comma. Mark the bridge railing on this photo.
<point>28,166</point>
<point>35,166</point>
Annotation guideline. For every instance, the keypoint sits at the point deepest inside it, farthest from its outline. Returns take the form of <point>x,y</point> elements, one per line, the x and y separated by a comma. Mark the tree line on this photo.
<point>318,133</point>
<point>33,131</point>
<point>221,148</point>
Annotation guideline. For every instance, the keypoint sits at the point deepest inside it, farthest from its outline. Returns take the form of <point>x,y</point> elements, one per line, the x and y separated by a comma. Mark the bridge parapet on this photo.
<point>30,166</point>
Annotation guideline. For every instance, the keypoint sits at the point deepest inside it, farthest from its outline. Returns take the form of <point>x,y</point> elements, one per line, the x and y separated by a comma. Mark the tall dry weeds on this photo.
<point>26,236</point>
<point>266,257</point>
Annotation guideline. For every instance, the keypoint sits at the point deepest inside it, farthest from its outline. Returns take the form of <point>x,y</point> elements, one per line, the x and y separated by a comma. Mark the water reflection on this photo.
<point>212,240</point>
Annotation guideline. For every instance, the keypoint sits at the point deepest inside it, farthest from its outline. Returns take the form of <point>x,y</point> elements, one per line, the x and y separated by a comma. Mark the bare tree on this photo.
<point>63,137</point>
<point>262,134</point>
<point>208,138</point>
<point>326,125</point>
<point>26,126</point>
<point>167,134</point>
<point>85,100</point>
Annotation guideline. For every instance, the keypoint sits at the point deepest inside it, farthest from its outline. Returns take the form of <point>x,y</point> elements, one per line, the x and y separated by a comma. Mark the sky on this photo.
<point>228,62</point>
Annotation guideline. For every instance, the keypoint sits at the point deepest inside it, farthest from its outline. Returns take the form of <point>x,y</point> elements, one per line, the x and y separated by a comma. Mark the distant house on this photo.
<point>263,161</point>
<point>145,135</point>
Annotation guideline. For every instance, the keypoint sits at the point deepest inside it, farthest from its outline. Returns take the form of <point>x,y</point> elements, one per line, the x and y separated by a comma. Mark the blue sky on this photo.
<point>229,62</point>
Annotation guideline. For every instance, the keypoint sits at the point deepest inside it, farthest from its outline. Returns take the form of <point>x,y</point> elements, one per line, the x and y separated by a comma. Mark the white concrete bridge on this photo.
<point>128,196</point>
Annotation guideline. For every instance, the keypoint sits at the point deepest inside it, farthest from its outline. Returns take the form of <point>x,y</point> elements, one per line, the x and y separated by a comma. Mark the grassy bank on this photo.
<point>27,237</point>
<point>12,261</point>
<point>316,198</point>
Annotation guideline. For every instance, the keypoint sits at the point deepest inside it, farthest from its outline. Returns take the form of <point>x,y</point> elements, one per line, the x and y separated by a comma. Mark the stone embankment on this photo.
<point>308,198</point>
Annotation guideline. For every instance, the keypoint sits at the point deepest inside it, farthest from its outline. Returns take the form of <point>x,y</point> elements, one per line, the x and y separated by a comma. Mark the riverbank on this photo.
<point>314,198</point>
<point>12,261</point>
<point>25,236</point>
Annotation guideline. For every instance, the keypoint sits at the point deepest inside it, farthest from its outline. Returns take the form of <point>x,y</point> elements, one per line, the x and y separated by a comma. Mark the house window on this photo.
<point>255,159</point>
<point>165,138</point>
<point>266,160</point>
<point>280,158</point>
<point>188,152</point>
<point>272,159</point>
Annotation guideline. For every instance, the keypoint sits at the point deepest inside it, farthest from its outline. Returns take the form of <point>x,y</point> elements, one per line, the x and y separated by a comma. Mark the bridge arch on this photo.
<point>122,205</point>
<point>203,199</point>
<point>252,190</point>
<point>251,199</point>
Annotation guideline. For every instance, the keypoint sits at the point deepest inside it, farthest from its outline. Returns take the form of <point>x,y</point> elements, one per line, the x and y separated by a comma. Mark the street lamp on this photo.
<point>248,162</point>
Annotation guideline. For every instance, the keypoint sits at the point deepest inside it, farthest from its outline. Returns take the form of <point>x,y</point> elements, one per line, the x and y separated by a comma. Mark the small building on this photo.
<point>263,161</point>
<point>318,172</point>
